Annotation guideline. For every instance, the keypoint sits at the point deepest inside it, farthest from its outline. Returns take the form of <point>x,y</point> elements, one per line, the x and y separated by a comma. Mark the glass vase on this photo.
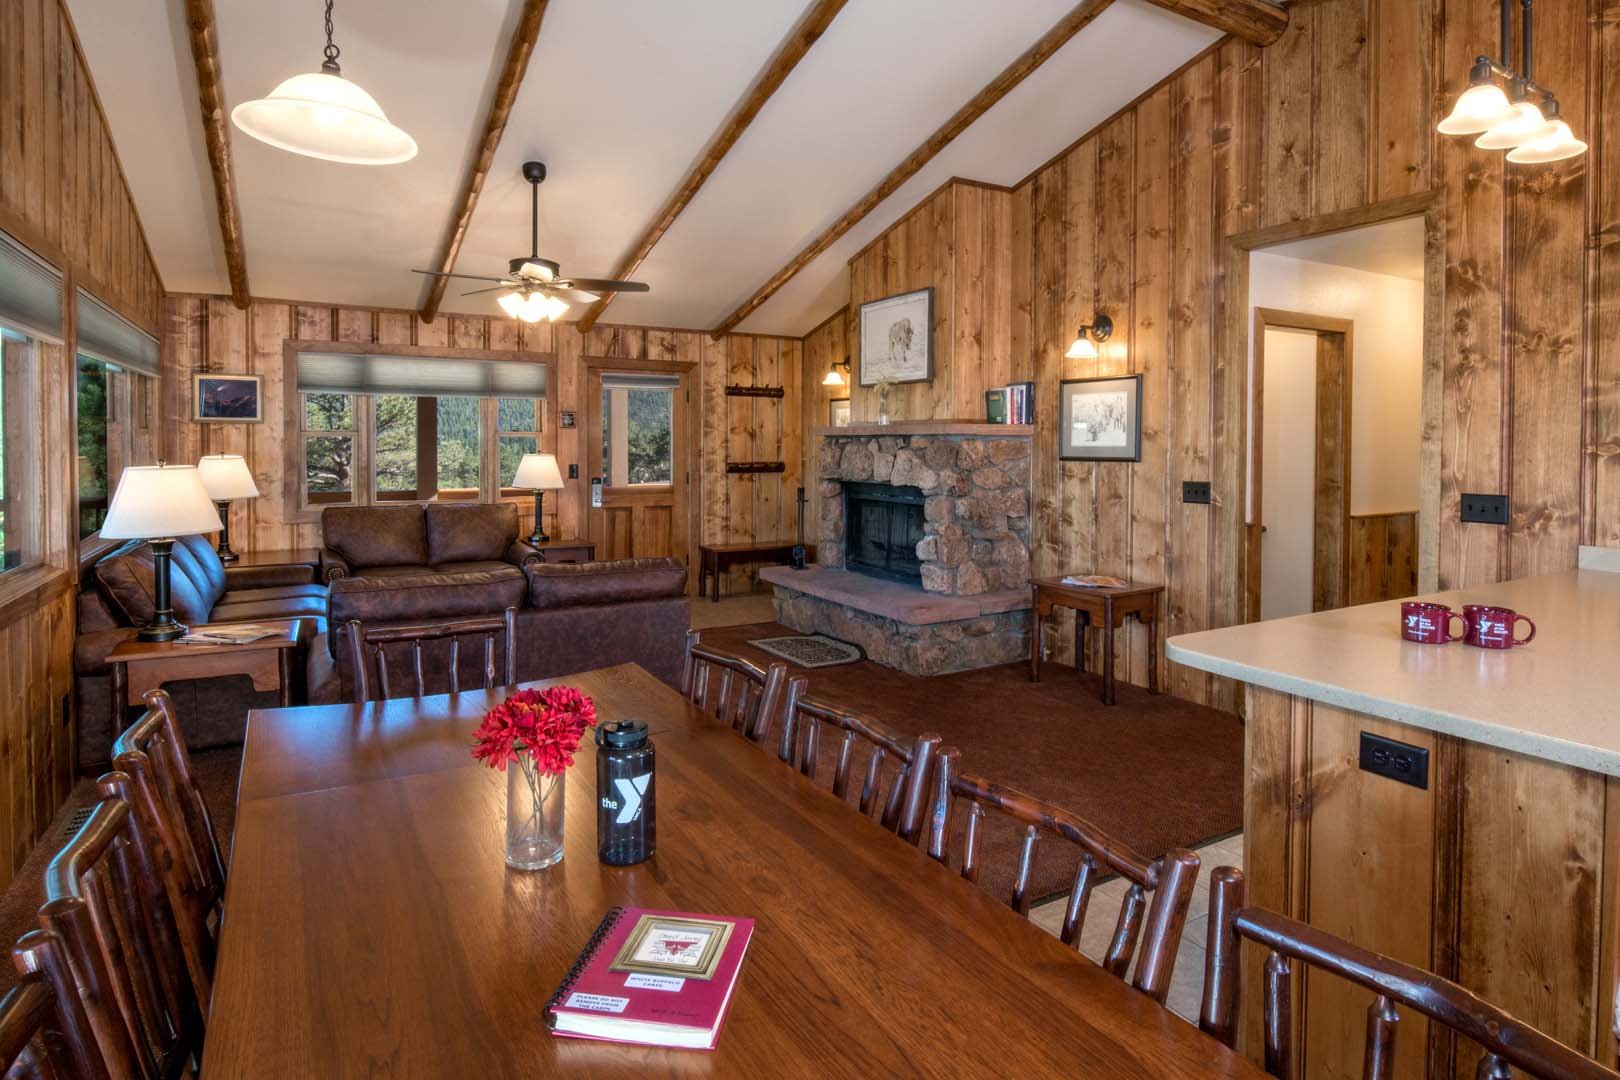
<point>534,817</point>
<point>883,403</point>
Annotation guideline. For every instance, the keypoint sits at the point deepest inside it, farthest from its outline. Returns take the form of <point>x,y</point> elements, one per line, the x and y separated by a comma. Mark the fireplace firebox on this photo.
<point>883,525</point>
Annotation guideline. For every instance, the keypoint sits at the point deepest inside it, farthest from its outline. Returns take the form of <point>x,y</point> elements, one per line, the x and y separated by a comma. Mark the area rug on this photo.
<point>810,650</point>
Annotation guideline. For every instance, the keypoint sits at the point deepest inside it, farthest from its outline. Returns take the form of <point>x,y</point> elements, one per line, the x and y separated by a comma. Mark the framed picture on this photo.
<point>673,945</point>
<point>1101,419</point>
<point>897,338</point>
<point>838,412</point>
<point>226,399</point>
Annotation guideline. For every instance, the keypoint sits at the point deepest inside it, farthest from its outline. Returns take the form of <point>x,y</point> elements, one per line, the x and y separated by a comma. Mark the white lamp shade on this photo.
<point>1525,124</point>
<point>1082,349</point>
<point>538,472</point>
<point>155,501</point>
<point>226,477</point>
<point>832,378</point>
<point>1554,144</point>
<point>1480,108</point>
<point>327,117</point>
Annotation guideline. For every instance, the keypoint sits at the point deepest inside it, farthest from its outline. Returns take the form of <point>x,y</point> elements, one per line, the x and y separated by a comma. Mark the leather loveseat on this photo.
<point>116,597</point>
<point>416,540</point>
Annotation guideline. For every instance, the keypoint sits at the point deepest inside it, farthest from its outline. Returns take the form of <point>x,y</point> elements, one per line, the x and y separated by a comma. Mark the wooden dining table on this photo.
<point>371,927</point>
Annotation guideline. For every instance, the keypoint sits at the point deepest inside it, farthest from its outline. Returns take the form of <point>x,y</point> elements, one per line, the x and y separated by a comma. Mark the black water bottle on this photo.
<point>626,822</point>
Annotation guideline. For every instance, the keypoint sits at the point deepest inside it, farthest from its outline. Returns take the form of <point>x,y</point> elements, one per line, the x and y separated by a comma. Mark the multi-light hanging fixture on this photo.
<point>1513,119</point>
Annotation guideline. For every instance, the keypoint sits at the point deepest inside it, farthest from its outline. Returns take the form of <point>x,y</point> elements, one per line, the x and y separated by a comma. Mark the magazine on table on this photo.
<point>229,635</point>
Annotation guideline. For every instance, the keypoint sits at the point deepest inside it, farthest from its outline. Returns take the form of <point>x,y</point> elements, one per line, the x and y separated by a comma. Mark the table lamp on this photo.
<point>226,477</point>
<point>538,472</point>
<point>157,503</point>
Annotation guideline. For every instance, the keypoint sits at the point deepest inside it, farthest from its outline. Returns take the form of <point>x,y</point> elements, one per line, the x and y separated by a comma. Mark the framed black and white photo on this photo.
<point>1101,419</point>
<point>838,412</point>
<point>897,338</point>
<point>226,399</point>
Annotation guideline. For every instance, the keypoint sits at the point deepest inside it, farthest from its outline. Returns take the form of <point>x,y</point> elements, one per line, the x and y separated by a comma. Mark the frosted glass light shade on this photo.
<point>832,378</point>
<point>155,501</point>
<point>226,477</point>
<point>1082,349</point>
<point>533,307</point>
<point>538,472</point>
<point>1526,123</point>
<point>327,117</point>
<point>1555,143</point>
<point>1478,109</point>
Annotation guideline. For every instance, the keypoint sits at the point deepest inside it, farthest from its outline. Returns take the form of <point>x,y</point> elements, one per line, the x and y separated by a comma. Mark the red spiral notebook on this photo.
<point>661,978</point>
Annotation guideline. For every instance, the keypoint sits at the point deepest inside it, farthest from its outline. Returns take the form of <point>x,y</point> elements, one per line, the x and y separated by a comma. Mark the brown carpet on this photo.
<point>216,771</point>
<point>1153,771</point>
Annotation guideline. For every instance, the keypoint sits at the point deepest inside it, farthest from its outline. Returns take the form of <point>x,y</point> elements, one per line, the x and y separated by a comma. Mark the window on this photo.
<point>517,426</point>
<point>638,426</point>
<point>460,450</point>
<point>20,472</point>
<point>395,431</point>
<point>115,429</point>
<point>329,436</point>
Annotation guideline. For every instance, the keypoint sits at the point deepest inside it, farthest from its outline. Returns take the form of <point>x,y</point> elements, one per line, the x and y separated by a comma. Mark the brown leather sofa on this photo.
<point>115,597</point>
<point>570,617</point>
<point>411,541</point>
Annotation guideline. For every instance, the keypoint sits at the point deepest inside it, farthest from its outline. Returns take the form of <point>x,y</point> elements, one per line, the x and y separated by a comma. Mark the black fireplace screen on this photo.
<point>883,524</point>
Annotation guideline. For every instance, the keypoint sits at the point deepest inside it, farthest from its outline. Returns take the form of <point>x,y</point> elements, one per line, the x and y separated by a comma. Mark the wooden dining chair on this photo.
<point>169,805</point>
<point>731,689</point>
<point>1157,919</point>
<point>105,899</point>
<point>368,652</point>
<point>901,809</point>
<point>1508,1043</point>
<point>45,1033</point>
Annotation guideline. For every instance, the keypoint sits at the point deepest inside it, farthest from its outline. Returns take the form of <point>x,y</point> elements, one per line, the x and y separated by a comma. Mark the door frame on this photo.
<point>688,422</point>
<point>1331,333</point>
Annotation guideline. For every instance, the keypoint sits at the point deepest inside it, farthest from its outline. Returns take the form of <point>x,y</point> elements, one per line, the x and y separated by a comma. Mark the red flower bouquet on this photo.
<point>538,731</point>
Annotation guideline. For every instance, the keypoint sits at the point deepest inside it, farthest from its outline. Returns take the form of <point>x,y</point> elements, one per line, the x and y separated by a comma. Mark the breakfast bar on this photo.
<point>1452,806</point>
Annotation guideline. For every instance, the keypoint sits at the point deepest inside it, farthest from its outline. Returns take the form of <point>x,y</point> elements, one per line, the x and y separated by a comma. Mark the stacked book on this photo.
<point>1010,404</point>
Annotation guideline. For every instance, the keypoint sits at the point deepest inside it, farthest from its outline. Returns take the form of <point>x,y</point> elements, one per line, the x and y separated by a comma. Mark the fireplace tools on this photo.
<point>798,549</point>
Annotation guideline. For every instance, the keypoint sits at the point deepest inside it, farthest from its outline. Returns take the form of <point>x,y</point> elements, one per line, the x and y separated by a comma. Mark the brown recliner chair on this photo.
<point>410,541</point>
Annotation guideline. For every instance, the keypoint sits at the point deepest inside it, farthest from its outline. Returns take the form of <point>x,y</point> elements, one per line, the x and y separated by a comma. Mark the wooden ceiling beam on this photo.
<point>204,37</point>
<point>1255,21</point>
<point>981,103</point>
<point>524,36</point>
<point>781,65</point>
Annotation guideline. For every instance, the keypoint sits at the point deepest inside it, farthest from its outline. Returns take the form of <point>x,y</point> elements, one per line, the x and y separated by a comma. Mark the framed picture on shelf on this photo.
<point>227,399</point>
<point>897,338</point>
<point>1101,419</point>
<point>838,412</point>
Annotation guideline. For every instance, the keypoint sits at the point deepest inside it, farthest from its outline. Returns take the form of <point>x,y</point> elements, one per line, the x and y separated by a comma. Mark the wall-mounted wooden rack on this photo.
<point>755,467</point>
<point>755,391</point>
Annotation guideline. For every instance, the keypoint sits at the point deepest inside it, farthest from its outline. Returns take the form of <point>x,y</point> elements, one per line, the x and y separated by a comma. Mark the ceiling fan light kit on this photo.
<point>320,114</point>
<point>1509,119</point>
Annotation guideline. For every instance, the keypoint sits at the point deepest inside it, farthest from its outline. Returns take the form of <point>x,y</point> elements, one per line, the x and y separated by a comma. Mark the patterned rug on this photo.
<point>810,651</point>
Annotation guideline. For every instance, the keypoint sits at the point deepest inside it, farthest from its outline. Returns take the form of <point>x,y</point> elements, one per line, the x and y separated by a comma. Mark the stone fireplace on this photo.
<point>923,545</point>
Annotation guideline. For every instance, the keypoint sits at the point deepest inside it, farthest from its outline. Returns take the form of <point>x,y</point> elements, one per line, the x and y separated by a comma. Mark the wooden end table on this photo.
<point>566,551</point>
<point>715,559</point>
<point>1103,607</point>
<point>139,666</point>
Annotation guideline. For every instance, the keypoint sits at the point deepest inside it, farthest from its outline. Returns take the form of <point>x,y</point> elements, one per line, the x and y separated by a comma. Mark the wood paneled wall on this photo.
<point>826,345</point>
<point>1383,557</point>
<point>63,195</point>
<point>208,333</point>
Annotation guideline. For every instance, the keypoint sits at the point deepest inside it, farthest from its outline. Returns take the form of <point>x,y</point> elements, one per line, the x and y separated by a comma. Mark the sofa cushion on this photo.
<point>367,536</point>
<point>555,585</point>
<point>425,596</point>
<point>202,566</point>
<point>124,577</point>
<point>477,567</point>
<point>405,570</point>
<point>481,532</point>
<point>277,592</point>
<point>312,608</point>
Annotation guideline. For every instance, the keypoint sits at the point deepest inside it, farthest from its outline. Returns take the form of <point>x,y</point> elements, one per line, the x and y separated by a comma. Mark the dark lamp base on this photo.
<point>161,631</point>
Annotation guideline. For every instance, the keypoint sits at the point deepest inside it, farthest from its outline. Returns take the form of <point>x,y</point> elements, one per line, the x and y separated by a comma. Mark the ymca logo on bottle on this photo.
<point>631,791</point>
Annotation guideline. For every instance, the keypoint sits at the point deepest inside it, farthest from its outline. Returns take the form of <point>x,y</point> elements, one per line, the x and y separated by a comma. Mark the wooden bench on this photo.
<point>713,559</point>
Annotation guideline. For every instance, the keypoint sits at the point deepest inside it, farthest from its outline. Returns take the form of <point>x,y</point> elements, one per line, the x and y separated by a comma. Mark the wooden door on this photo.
<point>644,479</point>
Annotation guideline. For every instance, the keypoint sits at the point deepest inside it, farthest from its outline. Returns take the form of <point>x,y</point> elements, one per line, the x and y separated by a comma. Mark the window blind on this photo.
<point>30,291</point>
<point>617,380</point>
<point>418,376</point>
<point>101,332</point>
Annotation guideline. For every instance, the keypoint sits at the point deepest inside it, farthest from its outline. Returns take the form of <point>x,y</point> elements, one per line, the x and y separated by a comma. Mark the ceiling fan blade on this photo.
<point>573,296</point>
<point>469,277</point>
<point>480,292</point>
<point>605,285</point>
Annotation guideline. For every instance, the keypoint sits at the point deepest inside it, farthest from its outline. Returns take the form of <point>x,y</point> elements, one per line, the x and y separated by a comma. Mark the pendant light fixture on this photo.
<point>1101,328</point>
<point>323,115</point>
<point>1522,119</point>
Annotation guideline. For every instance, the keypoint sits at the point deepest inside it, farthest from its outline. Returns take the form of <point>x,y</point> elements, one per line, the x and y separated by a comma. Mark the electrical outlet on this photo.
<point>1195,491</point>
<point>573,472</point>
<point>1401,762</point>
<point>1485,509</point>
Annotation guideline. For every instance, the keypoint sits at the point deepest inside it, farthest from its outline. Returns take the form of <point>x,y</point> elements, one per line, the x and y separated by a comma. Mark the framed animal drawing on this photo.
<point>897,338</point>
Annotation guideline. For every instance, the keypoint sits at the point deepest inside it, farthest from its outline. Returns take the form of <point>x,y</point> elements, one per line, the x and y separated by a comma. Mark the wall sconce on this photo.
<point>1100,328</point>
<point>833,378</point>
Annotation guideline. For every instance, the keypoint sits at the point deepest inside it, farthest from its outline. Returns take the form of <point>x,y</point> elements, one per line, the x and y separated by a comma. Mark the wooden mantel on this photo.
<point>904,428</point>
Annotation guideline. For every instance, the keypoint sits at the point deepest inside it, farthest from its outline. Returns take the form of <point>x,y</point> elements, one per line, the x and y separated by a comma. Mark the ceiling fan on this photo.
<point>534,288</point>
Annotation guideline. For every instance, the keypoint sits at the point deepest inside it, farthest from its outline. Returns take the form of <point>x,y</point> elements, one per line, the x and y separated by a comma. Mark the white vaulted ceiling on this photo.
<point>619,100</point>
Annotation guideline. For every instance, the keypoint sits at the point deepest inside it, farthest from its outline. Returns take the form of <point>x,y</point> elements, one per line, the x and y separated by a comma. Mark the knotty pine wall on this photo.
<point>207,333</point>
<point>1133,220</point>
<point>63,195</point>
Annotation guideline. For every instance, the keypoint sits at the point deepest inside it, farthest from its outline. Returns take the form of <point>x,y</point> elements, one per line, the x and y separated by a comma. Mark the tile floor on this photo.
<point>1187,984</point>
<point>732,611</point>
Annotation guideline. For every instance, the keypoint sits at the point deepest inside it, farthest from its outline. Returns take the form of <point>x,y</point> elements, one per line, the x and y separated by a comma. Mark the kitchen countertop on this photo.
<point>1557,698</point>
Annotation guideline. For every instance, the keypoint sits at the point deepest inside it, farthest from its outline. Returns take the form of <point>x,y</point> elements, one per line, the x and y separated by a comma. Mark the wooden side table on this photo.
<point>715,559</point>
<point>1103,608</point>
<point>566,551</point>
<point>139,666</point>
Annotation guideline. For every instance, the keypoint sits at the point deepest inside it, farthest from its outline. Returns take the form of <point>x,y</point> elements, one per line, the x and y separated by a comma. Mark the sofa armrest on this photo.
<point>522,553</point>
<point>90,651</point>
<point>333,566</point>
<point>268,577</point>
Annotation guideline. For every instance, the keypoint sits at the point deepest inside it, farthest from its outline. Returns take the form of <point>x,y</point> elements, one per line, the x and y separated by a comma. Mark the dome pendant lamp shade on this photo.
<point>1101,328</point>
<point>323,115</point>
<point>1525,124</point>
<point>1554,144</point>
<point>1479,109</point>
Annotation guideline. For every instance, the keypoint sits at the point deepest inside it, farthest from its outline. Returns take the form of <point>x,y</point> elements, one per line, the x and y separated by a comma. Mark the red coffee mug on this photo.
<point>1491,627</point>
<point>1427,623</point>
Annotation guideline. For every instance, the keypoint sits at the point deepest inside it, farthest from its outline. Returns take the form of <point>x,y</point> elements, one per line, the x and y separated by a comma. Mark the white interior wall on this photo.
<point>1386,422</point>
<point>1289,504</point>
